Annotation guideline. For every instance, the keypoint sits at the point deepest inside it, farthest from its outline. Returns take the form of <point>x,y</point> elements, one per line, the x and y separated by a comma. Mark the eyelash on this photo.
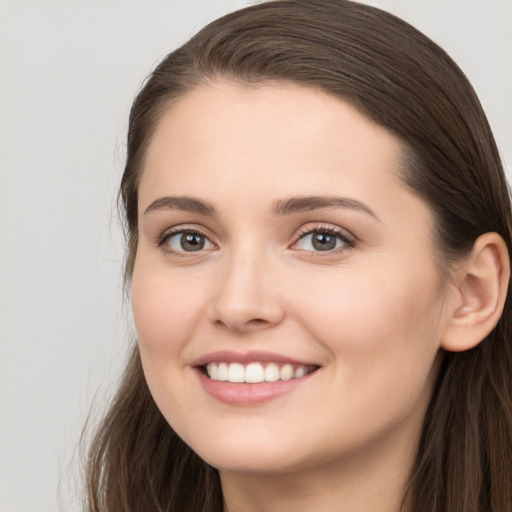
<point>347,239</point>
<point>181,231</point>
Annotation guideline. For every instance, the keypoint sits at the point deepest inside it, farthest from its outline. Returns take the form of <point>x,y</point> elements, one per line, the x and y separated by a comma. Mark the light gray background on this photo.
<point>68,72</point>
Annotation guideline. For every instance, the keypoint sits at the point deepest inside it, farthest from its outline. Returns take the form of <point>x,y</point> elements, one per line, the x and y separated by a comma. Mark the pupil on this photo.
<point>324,242</point>
<point>192,242</point>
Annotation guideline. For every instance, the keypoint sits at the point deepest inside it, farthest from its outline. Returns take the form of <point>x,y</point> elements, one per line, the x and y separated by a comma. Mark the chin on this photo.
<point>253,464</point>
<point>250,456</point>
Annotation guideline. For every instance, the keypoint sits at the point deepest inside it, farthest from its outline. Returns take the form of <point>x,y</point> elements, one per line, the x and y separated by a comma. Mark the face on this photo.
<point>285,292</point>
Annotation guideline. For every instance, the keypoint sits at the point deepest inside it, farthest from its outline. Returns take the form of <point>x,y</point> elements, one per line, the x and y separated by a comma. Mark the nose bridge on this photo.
<point>247,294</point>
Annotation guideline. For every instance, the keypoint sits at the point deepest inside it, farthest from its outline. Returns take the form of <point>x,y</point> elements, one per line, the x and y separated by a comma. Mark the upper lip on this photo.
<point>228,356</point>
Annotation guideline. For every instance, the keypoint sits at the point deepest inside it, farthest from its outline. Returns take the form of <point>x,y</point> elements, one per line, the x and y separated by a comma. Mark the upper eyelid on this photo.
<point>315,229</point>
<point>176,230</point>
<point>330,228</point>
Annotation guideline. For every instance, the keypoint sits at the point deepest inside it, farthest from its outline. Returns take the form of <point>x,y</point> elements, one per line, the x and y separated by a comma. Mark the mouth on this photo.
<point>255,372</point>
<point>252,378</point>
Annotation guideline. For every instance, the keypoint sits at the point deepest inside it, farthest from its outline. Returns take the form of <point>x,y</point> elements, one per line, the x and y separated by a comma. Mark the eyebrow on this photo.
<point>279,207</point>
<point>309,203</point>
<point>183,203</point>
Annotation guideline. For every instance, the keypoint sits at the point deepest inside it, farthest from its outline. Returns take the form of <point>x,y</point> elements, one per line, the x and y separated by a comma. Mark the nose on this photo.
<point>247,296</point>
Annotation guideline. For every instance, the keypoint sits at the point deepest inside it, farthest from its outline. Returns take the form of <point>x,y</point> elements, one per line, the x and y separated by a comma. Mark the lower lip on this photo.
<point>247,393</point>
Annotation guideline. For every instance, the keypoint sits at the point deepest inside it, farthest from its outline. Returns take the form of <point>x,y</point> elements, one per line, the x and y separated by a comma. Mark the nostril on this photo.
<point>248,325</point>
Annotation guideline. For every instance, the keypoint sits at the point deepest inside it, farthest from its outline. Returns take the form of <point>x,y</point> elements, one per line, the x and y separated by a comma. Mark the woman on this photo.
<point>318,231</point>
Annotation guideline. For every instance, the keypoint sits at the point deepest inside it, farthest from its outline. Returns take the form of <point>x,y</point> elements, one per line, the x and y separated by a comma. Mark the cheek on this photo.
<point>166,308</point>
<point>381,328</point>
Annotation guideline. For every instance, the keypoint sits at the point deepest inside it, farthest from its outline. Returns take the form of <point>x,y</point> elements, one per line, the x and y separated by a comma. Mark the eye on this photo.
<point>323,240</point>
<point>187,241</point>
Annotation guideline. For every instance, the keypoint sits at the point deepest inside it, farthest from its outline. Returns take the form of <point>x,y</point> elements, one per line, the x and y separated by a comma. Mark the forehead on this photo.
<point>269,120</point>
<point>228,140</point>
<point>302,114</point>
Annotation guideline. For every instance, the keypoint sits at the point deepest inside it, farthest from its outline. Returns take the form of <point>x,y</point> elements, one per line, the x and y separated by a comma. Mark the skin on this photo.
<point>370,314</point>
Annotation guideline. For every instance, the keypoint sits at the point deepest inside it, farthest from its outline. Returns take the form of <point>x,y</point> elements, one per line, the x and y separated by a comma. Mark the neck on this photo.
<point>376,481</point>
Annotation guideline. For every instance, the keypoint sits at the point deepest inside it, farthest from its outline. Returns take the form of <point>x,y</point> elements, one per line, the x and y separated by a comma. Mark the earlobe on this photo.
<point>481,290</point>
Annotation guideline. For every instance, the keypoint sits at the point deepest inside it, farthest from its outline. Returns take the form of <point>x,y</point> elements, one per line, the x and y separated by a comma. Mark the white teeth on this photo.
<point>286,372</point>
<point>255,372</point>
<point>272,372</point>
<point>300,372</point>
<point>236,372</point>
<point>223,372</point>
<point>213,371</point>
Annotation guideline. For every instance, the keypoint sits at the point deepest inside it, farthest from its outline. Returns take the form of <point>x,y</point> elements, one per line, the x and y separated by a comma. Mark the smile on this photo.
<point>256,372</point>
<point>252,378</point>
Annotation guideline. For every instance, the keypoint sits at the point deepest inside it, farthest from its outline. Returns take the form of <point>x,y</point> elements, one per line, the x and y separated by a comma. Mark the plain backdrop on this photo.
<point>68,72</point>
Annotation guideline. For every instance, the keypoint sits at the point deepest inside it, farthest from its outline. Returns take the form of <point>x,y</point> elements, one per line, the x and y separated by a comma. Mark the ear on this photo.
<point>481,288</point>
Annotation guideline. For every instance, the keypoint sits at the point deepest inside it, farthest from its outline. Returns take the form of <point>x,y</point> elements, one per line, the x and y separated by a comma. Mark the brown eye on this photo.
<point>191,242</point>
<point>188,241</point>
<point>322,240</point>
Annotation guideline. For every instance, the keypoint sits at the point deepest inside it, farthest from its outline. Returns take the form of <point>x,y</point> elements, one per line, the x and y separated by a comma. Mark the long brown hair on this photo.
<point>401,80</point>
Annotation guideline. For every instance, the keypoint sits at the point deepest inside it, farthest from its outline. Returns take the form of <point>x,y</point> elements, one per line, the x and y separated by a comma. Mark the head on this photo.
<point>404,96</point>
